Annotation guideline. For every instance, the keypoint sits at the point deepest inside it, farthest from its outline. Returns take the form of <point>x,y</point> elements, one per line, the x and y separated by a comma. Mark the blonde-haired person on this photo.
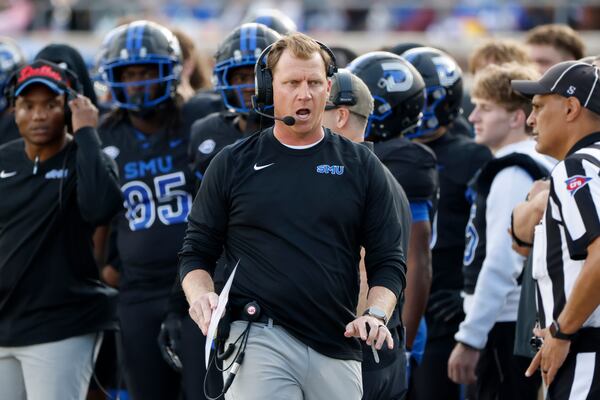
<point>271,202</point>
<point>491,269</point>
<point>497,51</point>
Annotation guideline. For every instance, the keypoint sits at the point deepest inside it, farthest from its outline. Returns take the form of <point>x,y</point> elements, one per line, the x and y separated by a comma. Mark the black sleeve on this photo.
<point>382,234</point>
<point>113,258</point>
<point>207,222</point>
<point>98,192</point>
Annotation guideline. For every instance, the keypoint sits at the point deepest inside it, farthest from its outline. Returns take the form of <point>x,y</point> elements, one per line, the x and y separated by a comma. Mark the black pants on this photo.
<point>192,358</point>
<point>429,381</point>
<point>386,380</point>
<point>501,374</point>
<point>147,375</point>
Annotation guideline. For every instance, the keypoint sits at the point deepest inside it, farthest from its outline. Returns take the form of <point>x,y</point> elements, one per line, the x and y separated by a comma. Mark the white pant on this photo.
<point>278,366</point>
<point>49,371</point>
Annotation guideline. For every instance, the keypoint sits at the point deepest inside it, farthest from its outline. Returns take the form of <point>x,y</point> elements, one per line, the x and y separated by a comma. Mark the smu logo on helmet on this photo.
<point>447,70</point>
<point>396,77</point>
<point>330,169</point>
<point>577,182</point>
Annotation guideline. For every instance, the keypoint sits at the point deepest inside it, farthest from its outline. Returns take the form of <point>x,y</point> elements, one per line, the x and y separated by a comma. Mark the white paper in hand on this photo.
<point>216,316</point>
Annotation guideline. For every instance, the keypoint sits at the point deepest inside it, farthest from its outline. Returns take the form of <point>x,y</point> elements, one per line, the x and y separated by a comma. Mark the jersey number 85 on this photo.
<point>142,206</point>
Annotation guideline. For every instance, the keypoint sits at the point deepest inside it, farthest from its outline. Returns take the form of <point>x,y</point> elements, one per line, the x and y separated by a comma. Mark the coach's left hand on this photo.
<point>376,333</point>
<point>550,357</point>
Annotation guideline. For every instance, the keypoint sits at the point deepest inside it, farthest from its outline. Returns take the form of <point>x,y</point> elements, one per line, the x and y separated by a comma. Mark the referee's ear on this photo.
<point>573,109</point>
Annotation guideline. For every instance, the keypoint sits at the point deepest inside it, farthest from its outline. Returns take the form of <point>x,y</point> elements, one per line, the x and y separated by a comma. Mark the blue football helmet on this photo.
<point>11,59</point>
<point>274,19</point>
<point>398,91</point>
<point>140,43</point>
<point>443,79</point>
<point>241,48</point>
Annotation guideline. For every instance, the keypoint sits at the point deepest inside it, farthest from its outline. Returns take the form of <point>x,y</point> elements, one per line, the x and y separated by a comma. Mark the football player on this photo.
<point>458,158</point>
<point>234,80</point>
<point>147,135</point>
<point>399,96</point>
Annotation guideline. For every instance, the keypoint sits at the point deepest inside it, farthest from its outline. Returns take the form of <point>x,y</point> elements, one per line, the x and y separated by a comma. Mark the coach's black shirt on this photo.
<point>295,220</point>
<point>49,284</point>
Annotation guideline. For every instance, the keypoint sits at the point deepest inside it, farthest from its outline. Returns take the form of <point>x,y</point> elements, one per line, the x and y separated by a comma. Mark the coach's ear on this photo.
<point>573,109</point>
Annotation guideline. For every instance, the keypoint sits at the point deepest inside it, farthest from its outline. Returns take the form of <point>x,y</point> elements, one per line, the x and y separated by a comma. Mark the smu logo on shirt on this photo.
<point>577,182</point>
<point>154,166</point>
<point>330,169</point>
<point>57,174</point>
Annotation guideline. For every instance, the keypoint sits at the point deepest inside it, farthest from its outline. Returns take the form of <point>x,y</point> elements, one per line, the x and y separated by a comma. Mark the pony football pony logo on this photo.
<point>576,182</point>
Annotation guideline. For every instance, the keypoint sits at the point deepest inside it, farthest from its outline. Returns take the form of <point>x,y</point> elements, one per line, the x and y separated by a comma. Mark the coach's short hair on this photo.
<point>498,51</point>
<point>300,45</point>
<point>560,36</point>
<point>492,83</point>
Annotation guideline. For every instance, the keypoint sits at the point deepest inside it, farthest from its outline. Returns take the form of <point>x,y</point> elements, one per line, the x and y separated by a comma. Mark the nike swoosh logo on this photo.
<point>4,174</point>
<point>259,167</point>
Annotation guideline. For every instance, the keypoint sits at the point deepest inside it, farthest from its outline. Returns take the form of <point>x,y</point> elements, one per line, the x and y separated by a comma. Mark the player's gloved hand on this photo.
<point>169,340</point>
<point>446,305</point>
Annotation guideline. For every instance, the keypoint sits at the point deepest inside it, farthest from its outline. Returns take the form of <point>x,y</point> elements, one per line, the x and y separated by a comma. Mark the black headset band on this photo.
<point>261,63</point>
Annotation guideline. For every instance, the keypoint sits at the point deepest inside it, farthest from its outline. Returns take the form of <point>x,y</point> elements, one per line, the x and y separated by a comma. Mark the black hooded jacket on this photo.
<point>63,53</point>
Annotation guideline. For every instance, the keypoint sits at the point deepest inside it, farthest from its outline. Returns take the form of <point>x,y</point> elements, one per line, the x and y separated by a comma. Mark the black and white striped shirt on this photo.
<point>571,222</point>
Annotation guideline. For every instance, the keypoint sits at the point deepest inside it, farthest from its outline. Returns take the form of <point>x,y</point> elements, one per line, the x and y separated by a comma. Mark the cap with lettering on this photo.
<point>350,91</point>
<point>41,72</point>
<point>567,79</point>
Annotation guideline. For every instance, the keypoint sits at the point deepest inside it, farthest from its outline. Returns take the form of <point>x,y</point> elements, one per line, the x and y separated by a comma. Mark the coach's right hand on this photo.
<point>201,309</point>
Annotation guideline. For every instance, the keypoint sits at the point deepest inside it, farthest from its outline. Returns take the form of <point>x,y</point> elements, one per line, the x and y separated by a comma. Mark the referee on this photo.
<point>566,255</point>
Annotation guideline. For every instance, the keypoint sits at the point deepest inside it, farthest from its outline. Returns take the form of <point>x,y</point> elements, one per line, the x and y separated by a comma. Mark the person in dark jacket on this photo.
<point>56,188</point>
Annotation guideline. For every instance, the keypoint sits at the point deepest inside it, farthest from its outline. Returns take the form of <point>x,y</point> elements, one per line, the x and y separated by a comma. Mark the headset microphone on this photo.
<point>288,119</point>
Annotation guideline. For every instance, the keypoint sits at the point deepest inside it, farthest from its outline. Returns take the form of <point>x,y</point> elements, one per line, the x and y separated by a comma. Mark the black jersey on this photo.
<point>209,135</point>
<point>158,187</point>
<point>295,220</point>
<point>8,128</point>
<point>200,105</point>
<point>413,165</point>
<point>49,284</point>
<point>458,159</point>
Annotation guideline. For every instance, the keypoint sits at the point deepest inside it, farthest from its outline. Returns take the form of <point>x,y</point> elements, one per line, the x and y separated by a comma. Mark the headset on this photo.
<point>263,91</point>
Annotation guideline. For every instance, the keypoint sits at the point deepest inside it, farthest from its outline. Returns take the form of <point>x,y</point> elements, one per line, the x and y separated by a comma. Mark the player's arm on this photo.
<point>418,278</point>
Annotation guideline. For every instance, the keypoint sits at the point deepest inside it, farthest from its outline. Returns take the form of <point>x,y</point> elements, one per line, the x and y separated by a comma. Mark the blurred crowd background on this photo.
<point>457,26</point>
